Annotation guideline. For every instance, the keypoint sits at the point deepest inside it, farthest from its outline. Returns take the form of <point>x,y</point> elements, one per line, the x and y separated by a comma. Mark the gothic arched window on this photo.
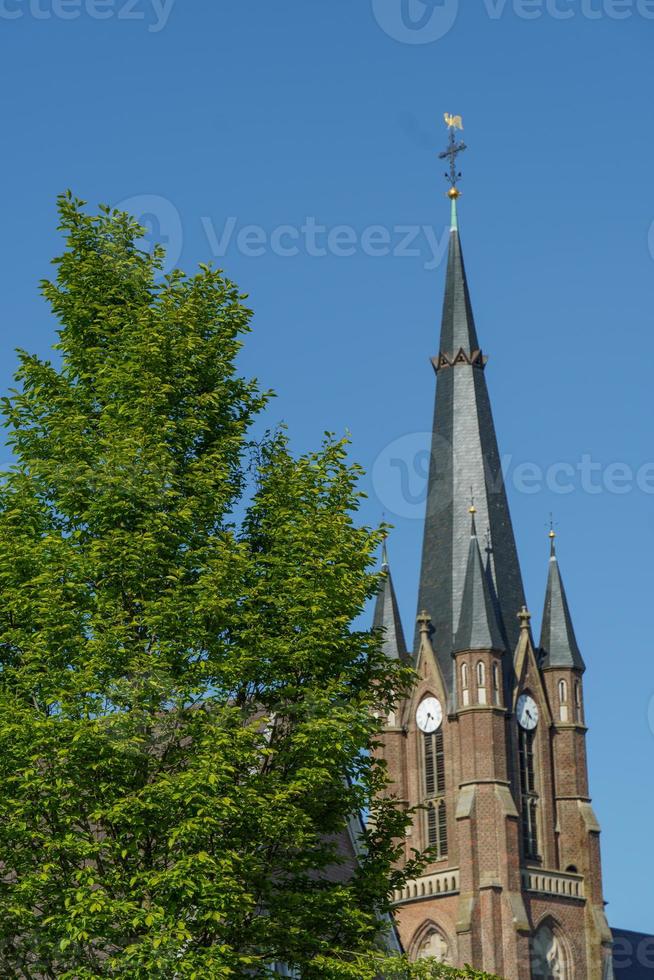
<point>549,959</point>
<point>496,684</point>
<point>434,944</point>
<point>563,700</point>
<point>465,684</point>
<point>481,682</point>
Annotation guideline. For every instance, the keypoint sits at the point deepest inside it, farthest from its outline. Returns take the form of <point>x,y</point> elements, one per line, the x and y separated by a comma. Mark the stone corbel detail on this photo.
<point>518,912</point>
<point>465,803</point>
<point>464,916</point>
<point>589,818</point>
<point>506,801</point>
<point>602,925</point>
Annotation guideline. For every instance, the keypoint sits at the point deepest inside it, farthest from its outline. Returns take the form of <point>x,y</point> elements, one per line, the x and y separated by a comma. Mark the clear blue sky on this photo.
<point>213,116</point>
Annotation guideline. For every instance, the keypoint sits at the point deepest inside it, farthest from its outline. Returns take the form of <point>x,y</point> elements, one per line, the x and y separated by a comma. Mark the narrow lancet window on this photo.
<point>465,685</point>
<point>481,683</point>
<point>496,684</point>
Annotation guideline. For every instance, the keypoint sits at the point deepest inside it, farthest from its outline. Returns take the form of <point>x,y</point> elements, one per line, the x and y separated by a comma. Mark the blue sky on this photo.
<point>294,144</point>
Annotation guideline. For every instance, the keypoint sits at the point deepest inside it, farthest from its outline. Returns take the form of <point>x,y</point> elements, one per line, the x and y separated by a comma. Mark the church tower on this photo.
<point>490,744</point>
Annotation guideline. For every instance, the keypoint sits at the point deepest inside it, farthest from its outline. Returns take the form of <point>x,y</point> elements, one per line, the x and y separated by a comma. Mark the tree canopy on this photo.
<point>186,712</point>
<point>187,715</point>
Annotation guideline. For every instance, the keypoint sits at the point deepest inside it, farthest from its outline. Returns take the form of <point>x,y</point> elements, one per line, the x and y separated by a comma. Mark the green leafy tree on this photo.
<point>401,968</point>
<point>186,713</point>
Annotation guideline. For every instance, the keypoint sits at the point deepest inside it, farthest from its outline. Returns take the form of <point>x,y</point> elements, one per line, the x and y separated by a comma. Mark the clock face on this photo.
<point>527,712</point>
<point>429,715</point>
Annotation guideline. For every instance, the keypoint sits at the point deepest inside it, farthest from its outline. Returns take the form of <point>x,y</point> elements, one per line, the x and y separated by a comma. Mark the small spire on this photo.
<point>558,642</point>
<point>478,628</point>
<point>386,617</point>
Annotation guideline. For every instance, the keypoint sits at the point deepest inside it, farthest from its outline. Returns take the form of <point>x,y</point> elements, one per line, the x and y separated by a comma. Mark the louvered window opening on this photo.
<point>434,770</point>
<point>529,794</point>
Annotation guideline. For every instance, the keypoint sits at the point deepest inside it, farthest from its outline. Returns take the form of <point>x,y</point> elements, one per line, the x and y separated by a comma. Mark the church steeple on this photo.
<point>486,748</point>
<point>558,642</point>
<point>478,627</point>
<point>387,617</point>
<point>464,459</point>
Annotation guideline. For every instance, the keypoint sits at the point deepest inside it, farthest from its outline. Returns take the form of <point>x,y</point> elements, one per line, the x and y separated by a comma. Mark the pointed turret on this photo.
<point>478,626</point>
<point>387,616</point>
<point>558,642</point>
<point>464,459</point>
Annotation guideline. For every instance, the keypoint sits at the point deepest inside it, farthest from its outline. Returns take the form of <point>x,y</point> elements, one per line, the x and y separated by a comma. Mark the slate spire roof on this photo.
<point>478,627</point>
<point>387,617</point>
<point>464,459</point>
<point>558,642</point>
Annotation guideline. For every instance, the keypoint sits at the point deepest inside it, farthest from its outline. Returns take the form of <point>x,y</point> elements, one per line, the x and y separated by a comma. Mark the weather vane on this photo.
<point>451,153</point>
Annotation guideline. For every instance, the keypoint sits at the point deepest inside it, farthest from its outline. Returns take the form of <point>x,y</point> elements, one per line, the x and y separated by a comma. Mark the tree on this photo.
<point>186,713</point>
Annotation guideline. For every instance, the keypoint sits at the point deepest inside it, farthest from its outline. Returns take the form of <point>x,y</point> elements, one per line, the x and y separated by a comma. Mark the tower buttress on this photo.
<point>578,831</point>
